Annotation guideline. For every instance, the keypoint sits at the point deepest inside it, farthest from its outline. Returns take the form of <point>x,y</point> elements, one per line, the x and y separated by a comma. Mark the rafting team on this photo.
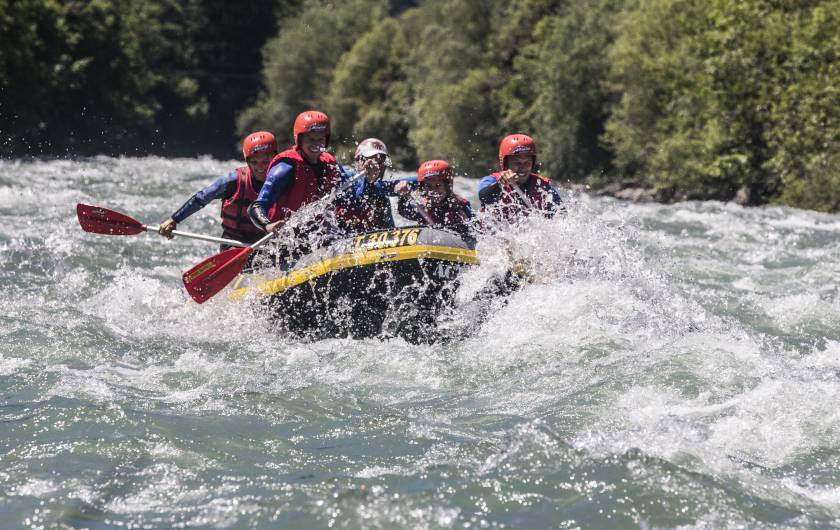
<point>261,196</point>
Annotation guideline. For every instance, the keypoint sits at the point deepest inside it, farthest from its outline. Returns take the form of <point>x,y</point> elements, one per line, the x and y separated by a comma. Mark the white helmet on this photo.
<point>371,147</point>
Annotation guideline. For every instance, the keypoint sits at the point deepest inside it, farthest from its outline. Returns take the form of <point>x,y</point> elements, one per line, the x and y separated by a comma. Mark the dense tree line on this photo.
<point>695,98</point>
<point>130,76</point>
<point>718,95</point>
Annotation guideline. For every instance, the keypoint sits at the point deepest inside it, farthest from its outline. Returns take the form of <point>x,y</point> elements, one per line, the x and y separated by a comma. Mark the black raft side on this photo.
<point>376,283</point>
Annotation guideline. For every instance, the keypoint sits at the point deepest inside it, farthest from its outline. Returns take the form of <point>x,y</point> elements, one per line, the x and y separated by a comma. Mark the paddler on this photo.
<point>300,175</point>
<point>437,205</point>
<point>368,206</point>
<point>510,195</point>
<point>517,190</point>
<point>303,173</point>
<point>237,190</point>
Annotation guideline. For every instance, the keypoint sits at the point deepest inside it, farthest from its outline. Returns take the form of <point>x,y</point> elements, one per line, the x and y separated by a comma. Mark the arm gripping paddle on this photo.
<point>206,279</point>
<point>99,220</point>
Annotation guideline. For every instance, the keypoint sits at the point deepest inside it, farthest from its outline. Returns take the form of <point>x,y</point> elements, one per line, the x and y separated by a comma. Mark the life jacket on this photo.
<point>307,186</point>
<point>235,221</point>
<point>367,213</point>
<point>538,191</point>
<point>451,212</point>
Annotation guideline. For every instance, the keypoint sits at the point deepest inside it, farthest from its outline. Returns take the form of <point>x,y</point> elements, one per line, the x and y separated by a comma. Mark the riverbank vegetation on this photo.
<point>695,99</point>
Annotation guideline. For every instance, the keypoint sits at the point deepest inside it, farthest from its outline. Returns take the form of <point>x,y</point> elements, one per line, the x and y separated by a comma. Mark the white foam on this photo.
<point>700,333</point>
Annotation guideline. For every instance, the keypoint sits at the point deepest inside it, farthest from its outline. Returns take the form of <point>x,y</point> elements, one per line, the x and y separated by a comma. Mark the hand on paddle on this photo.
<point>99,220</point>
<point>275,226</point>
<point>165,229</point>
<point>515,181</point>
<point>402,188</point>
<point>371,168</point>
<point>420,200</point>
<point>421,204</point>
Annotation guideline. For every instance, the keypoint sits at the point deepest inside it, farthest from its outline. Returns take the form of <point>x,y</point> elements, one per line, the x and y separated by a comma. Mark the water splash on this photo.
<point>669,366</point>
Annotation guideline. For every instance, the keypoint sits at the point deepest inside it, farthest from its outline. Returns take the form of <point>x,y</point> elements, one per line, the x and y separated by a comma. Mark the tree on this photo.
<point>299,63</point>
<point>368,93</point>
<point>557,88</point>
<point>90,77</point>
<point>453,115</point>
<point>711,102</point>
<point>805,135</point>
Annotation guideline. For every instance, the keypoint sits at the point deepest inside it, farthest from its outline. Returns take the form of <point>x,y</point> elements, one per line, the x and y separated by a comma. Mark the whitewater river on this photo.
<point>671,367</point>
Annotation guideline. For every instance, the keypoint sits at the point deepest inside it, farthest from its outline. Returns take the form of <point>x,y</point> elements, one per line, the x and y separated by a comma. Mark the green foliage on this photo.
<point>458,123</point>
<point>25,78</point>
<point>711,101</point>
<point>698,98</point>
<point>556,91</point>
<point>369,92</point>
<point>453,113</point>
<point>805,135</point>
<point>225,40</point>
<point>653,74</point>
<point>299,62</point>
<point>136,76</point>
<point>85,76</point>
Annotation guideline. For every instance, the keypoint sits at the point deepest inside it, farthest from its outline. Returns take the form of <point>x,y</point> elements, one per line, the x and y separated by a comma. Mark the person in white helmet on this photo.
<point>367,205</point>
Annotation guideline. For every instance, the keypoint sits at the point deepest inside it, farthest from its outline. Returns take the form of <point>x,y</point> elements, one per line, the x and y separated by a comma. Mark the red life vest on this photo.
<point>307,186</point>
<point>235,221</point>
<point>371,213</point>
<point>538,191</point>
<point>452,212</point>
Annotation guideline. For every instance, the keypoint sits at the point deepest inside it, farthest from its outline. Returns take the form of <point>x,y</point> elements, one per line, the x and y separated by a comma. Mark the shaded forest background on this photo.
<point>696,99</point>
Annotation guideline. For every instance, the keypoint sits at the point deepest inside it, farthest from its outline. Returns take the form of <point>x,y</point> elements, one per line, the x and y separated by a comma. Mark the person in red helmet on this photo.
<point>438,205</point>
<point>303,173</point>
<point>517,190</point>
<point>237,190</point>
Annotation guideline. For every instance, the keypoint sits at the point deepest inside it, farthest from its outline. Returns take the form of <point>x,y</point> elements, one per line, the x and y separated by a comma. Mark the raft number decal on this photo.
<point>392,238</point>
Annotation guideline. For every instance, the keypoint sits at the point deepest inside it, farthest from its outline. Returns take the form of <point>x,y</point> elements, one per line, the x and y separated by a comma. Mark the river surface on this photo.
<point>670,367</point>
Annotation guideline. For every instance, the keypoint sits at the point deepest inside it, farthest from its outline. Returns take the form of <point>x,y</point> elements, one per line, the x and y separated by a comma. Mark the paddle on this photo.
<point>210,276</point>
<point>206,279</point>
<point>525,199</point>
<point>99,220</point>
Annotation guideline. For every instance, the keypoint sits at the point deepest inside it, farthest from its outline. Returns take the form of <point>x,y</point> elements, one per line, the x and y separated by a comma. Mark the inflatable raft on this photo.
<point>385,283</point>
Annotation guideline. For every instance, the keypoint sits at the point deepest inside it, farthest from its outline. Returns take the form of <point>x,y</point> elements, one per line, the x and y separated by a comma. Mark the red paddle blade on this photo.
<point>212,275</point>
<point>104,221</point>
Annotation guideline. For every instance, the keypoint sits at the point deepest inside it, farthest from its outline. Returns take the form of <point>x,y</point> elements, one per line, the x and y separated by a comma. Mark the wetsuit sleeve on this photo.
<point>345,175</point>
<point>350,198</point>
<point>406,208</point>
<point>468,210</point>
<point>346,172</point>
<point>386,187</point>
<point>489,190</point>
<point>217,189</point>
<point>277,182</point>
<point>359,188</point>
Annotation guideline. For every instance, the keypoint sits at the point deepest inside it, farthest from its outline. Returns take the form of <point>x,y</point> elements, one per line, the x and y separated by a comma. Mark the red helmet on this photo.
<point>258,141</point>
<point>435,168</point>
<point>311,120</point>
<point>516,144</point>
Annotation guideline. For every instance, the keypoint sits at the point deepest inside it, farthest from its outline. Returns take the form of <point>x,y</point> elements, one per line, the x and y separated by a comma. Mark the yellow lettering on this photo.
<point>198,272</point>
<point>412,236</point>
